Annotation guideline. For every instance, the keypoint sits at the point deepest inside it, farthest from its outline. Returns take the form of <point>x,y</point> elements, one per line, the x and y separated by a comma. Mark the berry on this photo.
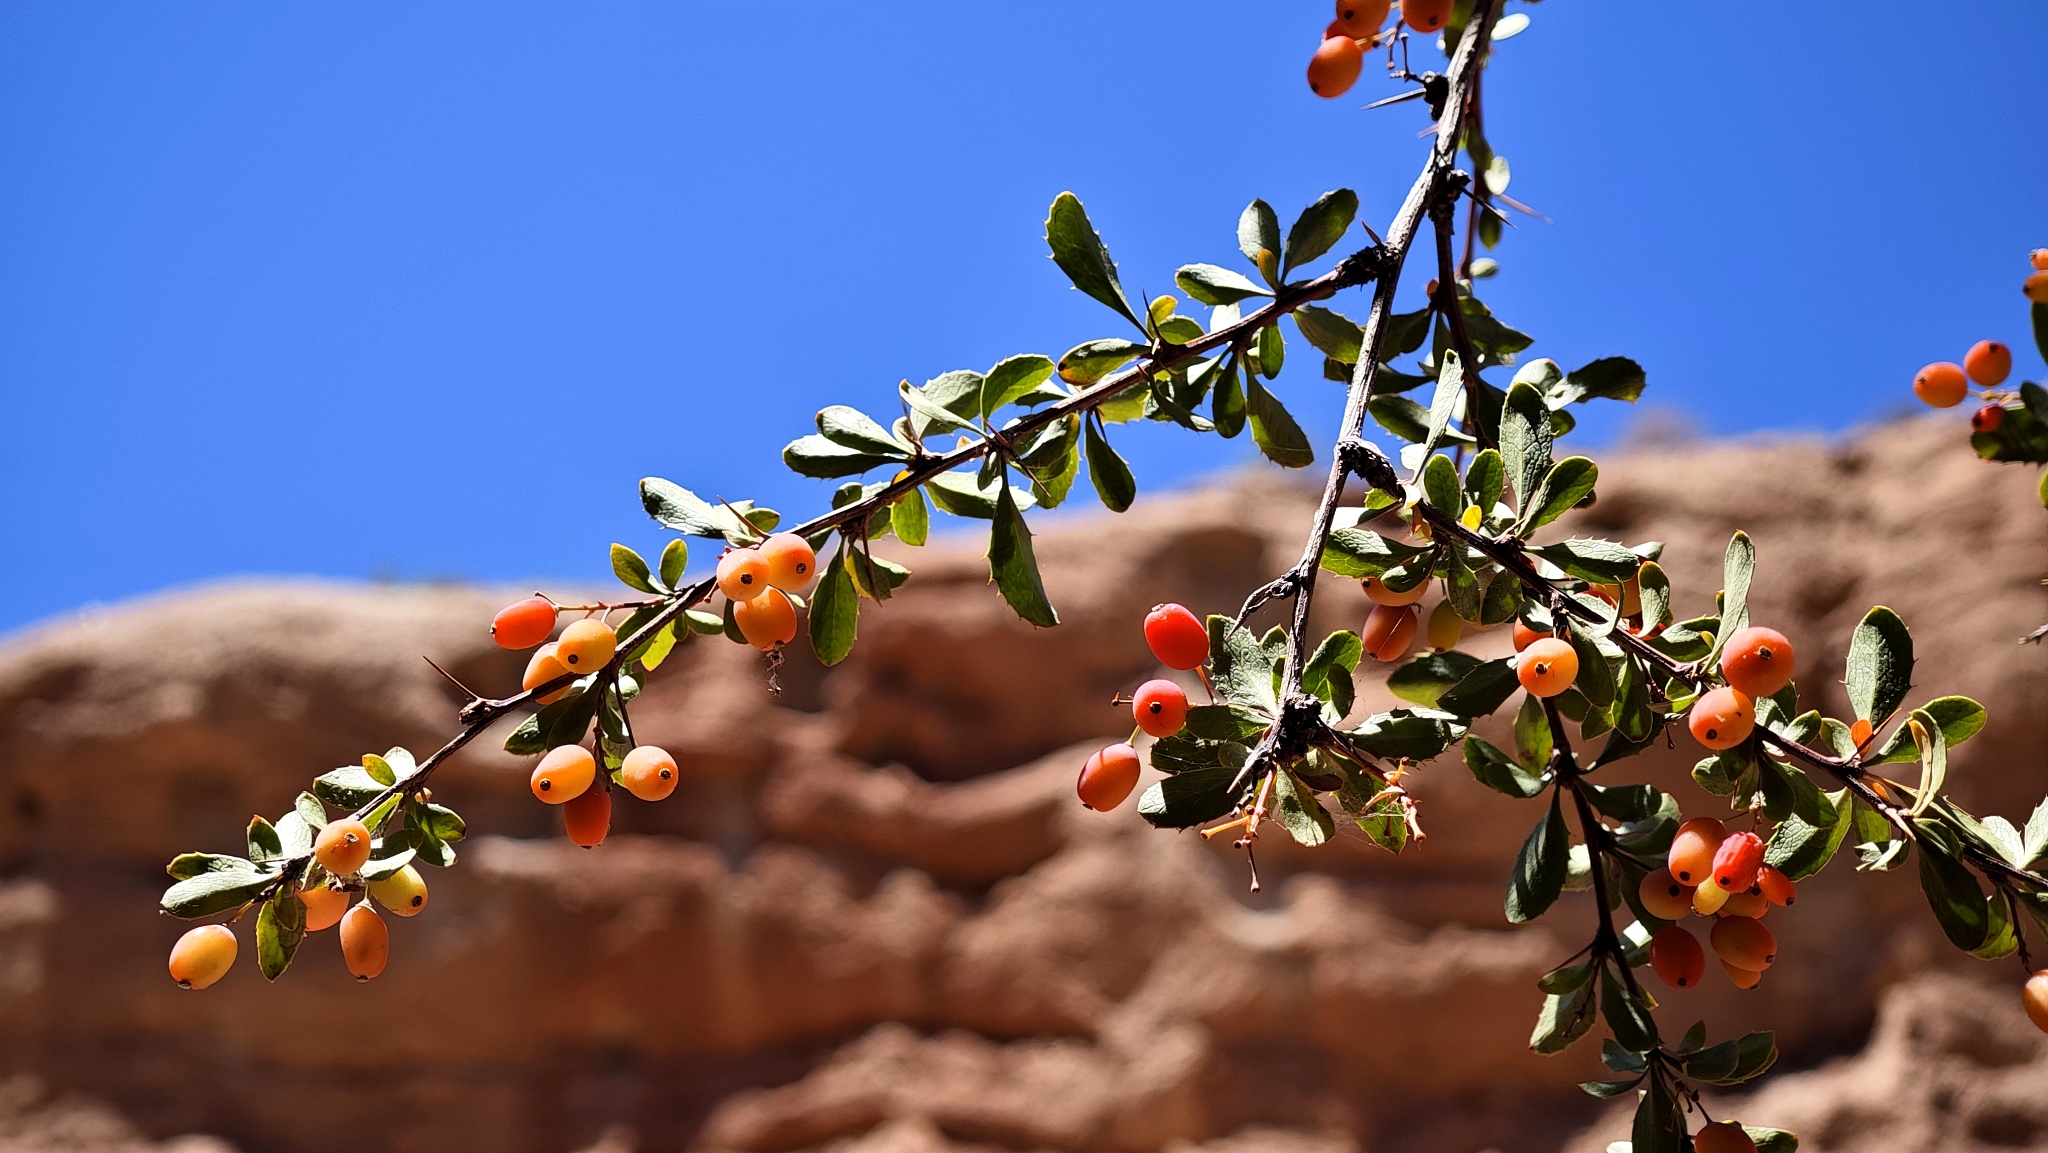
<point>1525,636</point>
<point>365,941</point>
<point>544,667</point>
<point>1748,903</point>
<point>1425,15</point>
<point>1737,860</point>
<point>586,646</point>
<point>1108,777</point>
<point>1376,590</point>
<point>1177,637</point>
<point>1360,19</point>
<point>1709,898</point>
<point>1691,858</point>
<point>1774,886</point>
<point>2034,996</point>
<point>1988,362</point>
<point>523,624</point>
<point>1677,957</point>
<point>1988,418</point>
<point>1861,732</point>
<point>648,773</point>
<point>324,906</point>
<point>1757,661</point>
<point>742,574</point>
<point>1743,978</point>
<point>1722,1137</point>
<point>342,846</point>
<point>403,892</point>
<point>564,774</point>
<point>1547,667</point>
<point>1335,66</point>
<point>791,561</point>
<point>1663,897</point>
<point>1744,943</point>
<point>1388,631</point>
<point>1722,718</point>
<point>2036,288</point>
<point>767,620</point>
<point>588,817</point>
<point>203,956</point>
<point>1446,628</point>
<point>1161,707</point>
<point>2039,259</point>
<point>1941,385</point>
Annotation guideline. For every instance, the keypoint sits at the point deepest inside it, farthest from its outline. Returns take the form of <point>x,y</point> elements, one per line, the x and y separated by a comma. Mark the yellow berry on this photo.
<point>203,956</point>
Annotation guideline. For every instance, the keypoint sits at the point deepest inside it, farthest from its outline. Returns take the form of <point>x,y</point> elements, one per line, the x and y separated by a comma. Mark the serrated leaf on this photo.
<point>1565,1018</point>
<point>1080,253</point>
<point>1012,564</point>
<point>1958,718</point>
<point>1332,333</point>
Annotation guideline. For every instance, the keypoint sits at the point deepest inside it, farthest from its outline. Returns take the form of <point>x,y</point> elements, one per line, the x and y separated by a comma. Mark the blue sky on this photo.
<point>422,291</point>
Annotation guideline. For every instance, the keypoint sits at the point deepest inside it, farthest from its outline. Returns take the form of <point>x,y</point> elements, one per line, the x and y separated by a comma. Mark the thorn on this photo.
<point>473,694</point>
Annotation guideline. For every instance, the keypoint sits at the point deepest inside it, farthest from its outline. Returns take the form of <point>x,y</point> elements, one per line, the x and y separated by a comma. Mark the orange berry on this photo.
<point>1376,590</point>
<point>1388,631</point>
<point>1446,628</point>
<point>1360,19</point>
<point>1722,1137</point>
<point>1108,777</point>
<point>586,646</point>
<point>342,846</point>
<point>1547,667</point>
<point>1743,978</point>
<point>1663,897</point>
<point>767,620</point>
<point>203,955</point>
<point>1160,707</point>
<point>742,574</point>
<point>2039,259</point>
<point>1748,903</point>
<point>1425,15</point>
<point>1177,637</point>
<point>523,624</point>
<point>791,561</point>
<point>1677,957</point>
<point>1737,860</point>
<point>2036,288</point>
<point>564,774</point>
<point>324,907</point>
<point>588,816</point>
<point>1941,385</point>
<point>403,892</point>
<point>1709,898</point>
<point>1525,636</point>
<point>542,668</point>
<point>1988,362</point>
<point>365,941</point>
<point>1691,858</point>
<point>1744,943</point>
<point>1988,418</point>
<point>648,773</point>
<point>1757,661</point>
<point>2035,997</point>
<point>1775,887</point>
<point>1722,718</point>
<point>1861,732</point>
<point>1335,67</point>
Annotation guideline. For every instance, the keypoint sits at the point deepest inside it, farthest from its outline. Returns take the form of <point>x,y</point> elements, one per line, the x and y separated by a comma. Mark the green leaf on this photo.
<point>1443,404</point>
<point>682,510</point>
<point>675,559</point>
<point>962,494</point>
<point>1226,406</point>
<point>1568,482</point>
<point>1601,562</point>
<point>1959,719</point>
<point>1258,237</point>
<point>349,787</point>
<point>1658,1128</point>
<point>1525,439</point>
<point>815,456</point>
<point>1332,333</point>
<point>1319,226</point>
<point>1533,742</point>
<point>1565,1018</point>
<point>1625,802</point>
<point>1951,888</point>
<point>835,612</point>
<point>389,857</point>
<point>1774,1140</point>
<point>1610,377</point>
<point>294,835</point>
<point>1089,363</point>
<point>852,429</point>
<point>216,889</point>
<point>1880,665</point>
<point>1013,566</point>
<point>1499,772</point>
<point>1242,670</point>
<point>1212,285</point>
<point>632,571</point>
<point>1628,1014</point>
<point>1656,594</point>
<point>949,402</point>
<point>1411,734</point>
<point>1423,679</point>
<point>1357,552</point>
<point>1270,351</point>
<point>1225,722</point>
<point>1540,869</point>
<point>1328,673</point>
<point>1012,379</point>
<point>264,844</point>
<point>1274,430</point>
<point>1737,566</point>
<point>1486,688</point>
<point>1184,800</point>
<point>1596,677</point>
<point>309,807</point>
<point>1111,476</point>
<point>280,926</point>
<point>1078,250</point>
<point>909,518</point>
<point>1300,814</point>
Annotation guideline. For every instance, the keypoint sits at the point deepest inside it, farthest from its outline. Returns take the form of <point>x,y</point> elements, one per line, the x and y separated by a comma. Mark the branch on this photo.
<point>1598,842</point>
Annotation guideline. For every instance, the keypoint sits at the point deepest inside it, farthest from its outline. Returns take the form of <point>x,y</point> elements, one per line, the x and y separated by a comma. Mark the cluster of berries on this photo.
<point>1180,641</point>
<point>759,580</point>
<point>1946,384</point>
<point>1714,873</point>
<point>1335,66</point>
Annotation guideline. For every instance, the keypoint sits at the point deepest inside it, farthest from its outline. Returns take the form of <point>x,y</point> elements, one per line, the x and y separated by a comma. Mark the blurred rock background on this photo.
<point>873,918</point>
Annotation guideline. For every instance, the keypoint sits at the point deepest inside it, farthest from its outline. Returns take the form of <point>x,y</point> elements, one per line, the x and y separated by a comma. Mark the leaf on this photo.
<point>853,429</point>
<point>1271,352</point>
<point>682,510</point>
<point>264,844</point>
<point>1486,688</point>
<point>1774,1140</point>
<point>349,787</point>
<point>1568,482</point>
<point>1655,588</point>
<point>1357,552</point>
<point>1242,670</point>
<point>294,835</point>
<point>1258,237</point>
<point>1224,723</point>
<point>1319,226</point>
<point>1657,1127</point>
<point>1332,333</point>
<point>675,559</point>
<point>1300,814</point>
<point>2035,836</point>
<point>1525,438</point>
<point>949,402</point>
<point>1108,471</point>
<point>1540,869</point>
<point>1601,562</point>
<point>1628,1017</point>
<point>1423,679</point>
<point>1012,564</point>
<point>393,858</point>
<point>962,494</point>
<point>1443,404</point>
<point>1328,673</point>
<point>1738,564</point>
<point>1408,734</point>
<point>280,926</point>
<point>1499,772</point>
<point>1274,430</point>
<point>1610,377</point>
<point>1089,363</point>
<point>909,517</point>
<point>1624,802</point>
<point>1565,1018</point>
<point>1950,887</point>
<point>1212,285</point>
<point>1880,665</point>
<point>1596,677</point>
<point>1532,735</point>
<point>216,889</point>
<point>632,571</point>
<point>1078,250</point>
<point>1011,379</point>
<point>1184,800</point>
<point>1226,406</point>
<point>815,456</point>
<point>1958,718</point>
<point>1933,759</point>
<point>835,612</point>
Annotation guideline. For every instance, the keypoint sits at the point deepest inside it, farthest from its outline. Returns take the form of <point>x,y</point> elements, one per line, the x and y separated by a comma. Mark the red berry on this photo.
<point>1988,418</point>
<point>1335,67</point>
<point>1775,886</point>
<point>1425,15</point>
<point>1178,638</point>
<point>1108,777</point>
<point>1388,631</point>
<point>1547,667</point>
<point>1737,860</point>
<point>1161,707</point>
<point>1744,943</point>
<point>1677,957</point>
<point>1941,385</point>
<point>1723,1136</point>
<point>1758,661</point>
<point>1360,19</point>
<point>588,816</point>
<point>1988,362</point>
<point>523,624</point>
